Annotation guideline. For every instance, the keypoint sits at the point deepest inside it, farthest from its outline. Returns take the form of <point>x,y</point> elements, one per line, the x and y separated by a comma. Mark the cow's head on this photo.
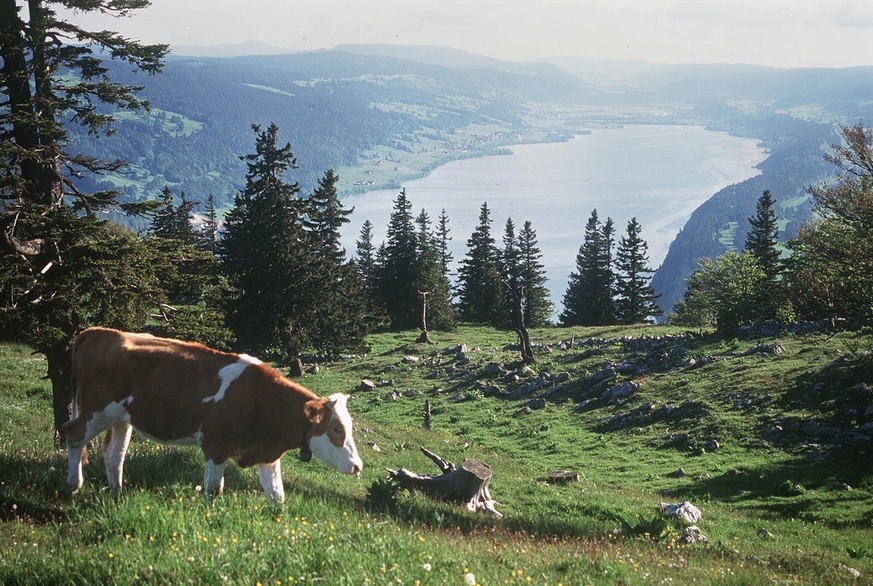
<point>330,435</point>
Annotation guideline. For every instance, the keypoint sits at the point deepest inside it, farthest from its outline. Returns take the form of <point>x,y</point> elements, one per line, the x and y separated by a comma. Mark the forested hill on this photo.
<point>332,106</point>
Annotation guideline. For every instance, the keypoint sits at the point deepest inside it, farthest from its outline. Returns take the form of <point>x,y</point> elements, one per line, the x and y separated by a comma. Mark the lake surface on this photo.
<point>658,174</point>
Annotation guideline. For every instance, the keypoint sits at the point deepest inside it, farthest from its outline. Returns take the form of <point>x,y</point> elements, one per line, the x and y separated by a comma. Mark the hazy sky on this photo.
<point>784,33</point>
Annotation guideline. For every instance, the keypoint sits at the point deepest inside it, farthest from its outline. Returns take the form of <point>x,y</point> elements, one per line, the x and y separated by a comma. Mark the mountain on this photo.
<point>245,48</point>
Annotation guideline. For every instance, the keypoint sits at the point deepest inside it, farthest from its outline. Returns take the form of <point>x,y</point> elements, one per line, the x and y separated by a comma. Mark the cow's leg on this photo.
<point>213,478</point>
<point>114,450</point>
<point>74,432</point>
<point>81,430</point>
<point>271,480</point>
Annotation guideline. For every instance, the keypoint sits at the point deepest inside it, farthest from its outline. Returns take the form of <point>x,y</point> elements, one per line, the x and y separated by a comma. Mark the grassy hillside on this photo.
<point>769,438</point>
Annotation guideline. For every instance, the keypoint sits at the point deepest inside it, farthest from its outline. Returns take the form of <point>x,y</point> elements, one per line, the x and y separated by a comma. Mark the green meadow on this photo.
<point>766,437</point>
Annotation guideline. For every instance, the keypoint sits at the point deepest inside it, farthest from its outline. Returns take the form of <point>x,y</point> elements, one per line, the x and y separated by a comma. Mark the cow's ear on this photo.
<point>314,410</point>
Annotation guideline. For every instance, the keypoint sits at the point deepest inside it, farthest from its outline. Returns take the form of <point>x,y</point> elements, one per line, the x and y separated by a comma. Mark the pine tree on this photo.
<point>397,273</point>
<point>538,307</point>
<point>480,291</point>
<point>339,309</point>
<point>266,254</point>
<point>209,229</point>
<point>53,74</point>
<point>763,237</point>
<point>636,301</point>
<point>172,221</point>
<point>443,240</point>
<point>431,282</point>
<point>588,299</point>
<point>325,215</point>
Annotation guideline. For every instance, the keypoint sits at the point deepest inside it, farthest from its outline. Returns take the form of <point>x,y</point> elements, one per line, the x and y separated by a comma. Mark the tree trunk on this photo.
<point>60,370</point>
<point>467,484</point>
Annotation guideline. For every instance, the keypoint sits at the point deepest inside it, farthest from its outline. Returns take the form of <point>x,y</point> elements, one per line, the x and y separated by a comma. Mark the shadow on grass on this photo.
<point>801,488</point>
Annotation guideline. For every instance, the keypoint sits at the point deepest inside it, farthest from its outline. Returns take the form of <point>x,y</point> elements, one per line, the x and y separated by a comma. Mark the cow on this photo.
<point>232,406</point>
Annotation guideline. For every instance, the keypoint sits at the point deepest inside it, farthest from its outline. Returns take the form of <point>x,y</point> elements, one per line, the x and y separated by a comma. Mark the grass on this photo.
<point>773,489</point>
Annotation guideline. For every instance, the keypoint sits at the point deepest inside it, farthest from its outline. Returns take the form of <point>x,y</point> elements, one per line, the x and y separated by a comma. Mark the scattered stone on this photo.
<point>562,377</point>
<point>684,511</point>
<point>678,473</point>
<point>845,487</point>
<point>493,369</point>
<point>620,391</point>
<point>764,534</point>
<point>374,447</point>
<point>845,568</point>
<point>535,404</point>
<point>366,385</point>
<point>710,445</point>
<point>691,535</point>
<point>411,359</point>
<point>765,349</point>
<point>435,374</point>
<point>562,477</point>
<point>314,369</point>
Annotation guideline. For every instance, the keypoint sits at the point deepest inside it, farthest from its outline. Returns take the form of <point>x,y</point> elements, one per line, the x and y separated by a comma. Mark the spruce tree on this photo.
<point>636,301</point>
<point>54,74</point>
<point>538,307</point>
<point>443,240</point>
<point>266,255</point>
<point>762,239</point>
<point>208,235</point>
<point>480,291</point>
<point>325,215</point>
<point>339,309</point>
<point>397,272</point>
<point>430,279</point>
<point>588,298</point>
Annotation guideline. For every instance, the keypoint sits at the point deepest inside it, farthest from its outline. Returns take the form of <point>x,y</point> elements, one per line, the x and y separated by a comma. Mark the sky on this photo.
<point>780,33</point>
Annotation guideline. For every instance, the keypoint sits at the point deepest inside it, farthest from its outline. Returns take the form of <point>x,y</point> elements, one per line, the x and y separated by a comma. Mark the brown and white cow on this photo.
<point>174,392</point>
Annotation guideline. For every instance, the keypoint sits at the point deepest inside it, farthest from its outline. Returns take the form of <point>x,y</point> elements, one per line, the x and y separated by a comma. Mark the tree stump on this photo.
<point>467,484</point>
<point>562,477</point>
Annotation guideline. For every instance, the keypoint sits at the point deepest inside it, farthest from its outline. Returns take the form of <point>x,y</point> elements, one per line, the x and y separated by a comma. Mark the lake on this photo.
<point>657,173</point>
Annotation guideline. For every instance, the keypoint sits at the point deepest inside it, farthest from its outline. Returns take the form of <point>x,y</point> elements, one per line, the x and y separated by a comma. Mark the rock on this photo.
<point>374,447</point>
<point>678,473</point>
<point>562,477</point>
<point>684,511</point>
<point>845,568</point>
<point>710,445</point>
<point>764,534</point>
<point>535,404</point>
<point>845,487</point>
<point>493,369</point>
<point>411,360</point>
<point>562,377</point>
<point>435,374</point>
<point>620,391</point>
<point>691,535</point>
<point>366,385</point>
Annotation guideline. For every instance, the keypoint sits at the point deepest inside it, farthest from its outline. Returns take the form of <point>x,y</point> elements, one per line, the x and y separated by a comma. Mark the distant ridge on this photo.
<point>245,48</point>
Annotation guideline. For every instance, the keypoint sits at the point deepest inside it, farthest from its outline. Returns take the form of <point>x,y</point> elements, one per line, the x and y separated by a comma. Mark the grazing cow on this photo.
<point>232,406</point>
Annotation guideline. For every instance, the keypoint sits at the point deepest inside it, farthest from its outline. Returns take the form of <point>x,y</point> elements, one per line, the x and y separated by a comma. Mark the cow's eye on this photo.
<point>337,429</point>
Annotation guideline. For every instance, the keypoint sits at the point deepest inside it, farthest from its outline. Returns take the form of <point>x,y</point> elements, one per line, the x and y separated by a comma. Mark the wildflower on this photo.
<point>427,567</point>
<point>111,555</point>
<point>470,579</point>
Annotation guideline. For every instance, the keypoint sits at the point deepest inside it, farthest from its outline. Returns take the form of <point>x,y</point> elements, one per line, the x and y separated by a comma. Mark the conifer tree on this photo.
<point>635,299</point>
<point>172,221</point>
<point>443,240</point>
<point>266,255</point>
<point>538,307</point>
<point>325,215</point>
<point>762,239</point>
<point>397,267</point>
<point>480,291</point>
<point>430,279</point>
<point>338,311</point>
<point>588,298</point>
<point>365,258</point>
<point>209,228</point>
<point>53,74</point>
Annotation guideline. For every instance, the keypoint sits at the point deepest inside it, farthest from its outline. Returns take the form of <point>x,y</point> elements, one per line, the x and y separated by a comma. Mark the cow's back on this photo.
<point>162,383</point>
